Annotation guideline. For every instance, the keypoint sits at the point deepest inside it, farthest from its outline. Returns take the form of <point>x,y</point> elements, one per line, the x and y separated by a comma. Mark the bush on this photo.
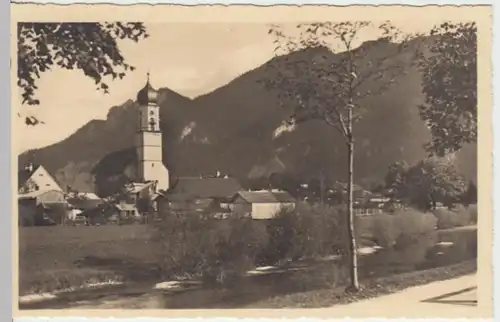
<point>389,229</point>
<point>385,230</point>
<point>329,275</point>
<point>409,250</point>
<point>306,231</point>
<point>201,246</point>
<point>472,210</point>
<point>457,217</point>
<point>414,222</point>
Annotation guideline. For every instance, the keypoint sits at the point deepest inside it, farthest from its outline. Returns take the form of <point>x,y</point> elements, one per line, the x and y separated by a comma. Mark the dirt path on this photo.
<point>445,299</point>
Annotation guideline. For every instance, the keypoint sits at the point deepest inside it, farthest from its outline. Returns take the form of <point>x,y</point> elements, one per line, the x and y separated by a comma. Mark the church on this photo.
<point>152,180</point>
<point>148,141</point>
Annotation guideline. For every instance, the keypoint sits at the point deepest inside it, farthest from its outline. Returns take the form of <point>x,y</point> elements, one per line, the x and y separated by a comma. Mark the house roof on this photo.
<point>156,196</point>
<point>266,196</point>
<point>84,204</point>
<point>199,188</point>
<point>29,195</point>
<point>126,207</point>
<point>54,206</point>
<point>24,174</point>
<point>136,187</point>
<point>35,194</point>
<point>343,186</point>
<point>83,195</point>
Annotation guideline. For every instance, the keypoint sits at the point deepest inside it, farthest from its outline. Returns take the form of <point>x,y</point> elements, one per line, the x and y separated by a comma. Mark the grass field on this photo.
<point>54,258</point>
<point>62,257</point>
<point>57,257</point>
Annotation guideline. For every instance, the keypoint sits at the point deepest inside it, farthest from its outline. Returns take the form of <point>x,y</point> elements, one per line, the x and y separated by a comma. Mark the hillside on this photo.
<point>233,129</point>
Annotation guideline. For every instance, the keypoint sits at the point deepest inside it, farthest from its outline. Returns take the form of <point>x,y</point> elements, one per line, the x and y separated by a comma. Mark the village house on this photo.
<point>113,213</point>
<point>262,204</point>
<point>81,203</point>
<point>201,194</point>
<point>144,196</point>
<point>125,212</point>
<point>373,204</point>
<point>35,178</point>
<point>41,200</point>
<point>133,204</point>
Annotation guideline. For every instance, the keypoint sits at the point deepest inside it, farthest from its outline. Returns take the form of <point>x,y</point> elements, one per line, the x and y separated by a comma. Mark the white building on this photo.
<point>263,204</point>
<point>149,145</point>
<point>36,179</point>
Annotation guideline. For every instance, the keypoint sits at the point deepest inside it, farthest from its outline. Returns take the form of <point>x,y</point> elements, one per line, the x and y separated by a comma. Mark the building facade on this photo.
<point>262,204</point>
<point>41,201</point>
<point>149,145</point>
<point>35,178</point>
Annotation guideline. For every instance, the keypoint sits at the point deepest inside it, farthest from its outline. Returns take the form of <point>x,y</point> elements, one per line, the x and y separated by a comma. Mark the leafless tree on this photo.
<point>336,80</point>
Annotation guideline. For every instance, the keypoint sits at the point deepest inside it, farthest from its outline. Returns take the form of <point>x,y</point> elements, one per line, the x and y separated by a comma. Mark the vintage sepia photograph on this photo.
<point>275,158</point>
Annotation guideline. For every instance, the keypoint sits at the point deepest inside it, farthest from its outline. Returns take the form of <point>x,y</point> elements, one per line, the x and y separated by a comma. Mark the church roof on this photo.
<point>147,95</point>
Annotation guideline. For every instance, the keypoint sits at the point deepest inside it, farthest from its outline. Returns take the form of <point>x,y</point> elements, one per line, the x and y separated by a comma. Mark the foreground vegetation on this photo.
<point>371,288</point>
<point>55,258</point>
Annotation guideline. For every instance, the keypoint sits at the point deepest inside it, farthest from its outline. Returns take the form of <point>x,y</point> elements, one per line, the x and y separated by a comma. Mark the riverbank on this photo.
<point>103,255</point>
<point>299,284</point>
<point>142,298</point>
<point>371,288</point>
<point>176,285</point>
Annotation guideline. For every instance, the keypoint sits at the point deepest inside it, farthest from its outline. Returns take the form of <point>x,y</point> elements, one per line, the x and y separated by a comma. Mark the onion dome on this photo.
<point>147,95</point>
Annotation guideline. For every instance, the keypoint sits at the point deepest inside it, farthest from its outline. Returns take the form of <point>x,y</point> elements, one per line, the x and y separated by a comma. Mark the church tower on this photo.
<point>149,144</point>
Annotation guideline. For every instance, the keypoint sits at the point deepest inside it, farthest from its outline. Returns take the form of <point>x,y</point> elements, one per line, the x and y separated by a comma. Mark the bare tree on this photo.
<point>329,75</point>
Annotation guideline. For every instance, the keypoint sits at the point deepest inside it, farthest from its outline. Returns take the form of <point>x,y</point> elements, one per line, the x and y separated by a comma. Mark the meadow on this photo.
<point>57,257</point>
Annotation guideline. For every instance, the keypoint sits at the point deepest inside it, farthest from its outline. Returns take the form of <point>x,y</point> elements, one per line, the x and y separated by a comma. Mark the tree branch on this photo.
<point>340,126</point>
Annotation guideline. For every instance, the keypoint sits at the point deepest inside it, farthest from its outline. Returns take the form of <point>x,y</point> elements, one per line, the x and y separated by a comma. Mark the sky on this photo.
<point>192,59</point>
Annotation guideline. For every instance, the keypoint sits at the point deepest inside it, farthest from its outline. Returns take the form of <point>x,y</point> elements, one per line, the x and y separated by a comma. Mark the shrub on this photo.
<point>457,217</point>
<point>472,210</point>
<point>414,222</point>
<point>201,246</point>
<point>385,230</point>
<point>389,229</point>
<point>306,231</point>
<point>330,275</point>
<point>407,252</point>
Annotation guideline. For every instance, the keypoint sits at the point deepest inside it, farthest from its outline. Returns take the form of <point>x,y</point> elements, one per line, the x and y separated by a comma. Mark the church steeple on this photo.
<point>147,95</point>
<point>149,145</point>
<point>149,111</point>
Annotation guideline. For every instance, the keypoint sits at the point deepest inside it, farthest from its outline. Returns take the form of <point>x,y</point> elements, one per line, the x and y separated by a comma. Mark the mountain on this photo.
<point>238,130</point>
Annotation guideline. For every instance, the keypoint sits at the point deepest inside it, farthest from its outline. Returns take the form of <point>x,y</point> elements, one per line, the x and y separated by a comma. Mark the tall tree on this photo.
<point>450,86</point>
<point>395,179</point>
<point>89,47</point>
<point>336,88</point>
<point>470,195</point>
<point>431,181</point>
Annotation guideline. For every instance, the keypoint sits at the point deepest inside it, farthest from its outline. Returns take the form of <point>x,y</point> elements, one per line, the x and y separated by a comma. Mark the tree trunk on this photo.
<point>321,189</point>
<point>353,258</point>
